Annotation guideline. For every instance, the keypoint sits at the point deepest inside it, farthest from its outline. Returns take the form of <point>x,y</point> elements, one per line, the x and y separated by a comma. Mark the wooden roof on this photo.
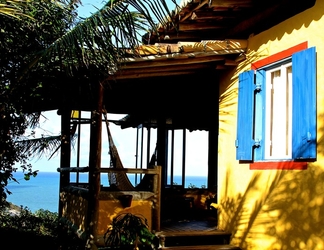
<point>196,20</point>
<point>201,32</point>
<point>175,74</point>
<point>165,59</point>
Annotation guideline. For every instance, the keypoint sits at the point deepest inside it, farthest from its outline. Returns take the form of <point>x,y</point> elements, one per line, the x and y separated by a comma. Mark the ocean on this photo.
<point>42,191</point>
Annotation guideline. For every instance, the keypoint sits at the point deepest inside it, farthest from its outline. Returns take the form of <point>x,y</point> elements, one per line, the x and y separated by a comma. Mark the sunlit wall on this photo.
<point>272,209</point>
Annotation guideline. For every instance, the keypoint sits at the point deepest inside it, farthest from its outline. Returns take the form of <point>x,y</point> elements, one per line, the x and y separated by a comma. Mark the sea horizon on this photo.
<point>42,191</point>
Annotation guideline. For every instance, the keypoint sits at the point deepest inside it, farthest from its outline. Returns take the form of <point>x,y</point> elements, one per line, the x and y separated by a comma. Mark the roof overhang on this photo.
<point>163,59</point>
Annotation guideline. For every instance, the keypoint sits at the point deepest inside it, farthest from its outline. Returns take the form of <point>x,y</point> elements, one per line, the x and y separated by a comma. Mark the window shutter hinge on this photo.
<point>236,143</point>
<point>257,143</point>
<point>258,87</point>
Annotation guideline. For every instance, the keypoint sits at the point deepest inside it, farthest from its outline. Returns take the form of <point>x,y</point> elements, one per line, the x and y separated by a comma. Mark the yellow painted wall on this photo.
<point>75,210</point>
<point>108,209</point>
<point>273,209</point>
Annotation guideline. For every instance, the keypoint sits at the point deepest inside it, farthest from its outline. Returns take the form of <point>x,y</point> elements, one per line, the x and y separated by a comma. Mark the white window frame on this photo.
<point>278,126</point>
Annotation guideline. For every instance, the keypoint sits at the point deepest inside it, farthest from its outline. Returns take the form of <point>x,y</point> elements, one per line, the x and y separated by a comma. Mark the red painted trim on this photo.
<point>279,56</point>
<point>280,165</point>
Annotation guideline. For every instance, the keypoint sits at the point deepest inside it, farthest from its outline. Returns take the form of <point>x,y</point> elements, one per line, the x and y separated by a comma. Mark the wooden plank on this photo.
<point>152,74</point>
<point>213,45</point>
<point>205,15</point>
<point>201,26</point>
<point>73,169</point>
<point>191,233</point>
<point>129,170</point>
<point>187,47</point>
<point>160,61</point>
<point>203,247</point>
<point>161,69</point>
<point>156,49</point>
<point>230,3</point>
<point>157,199</point>
<point>188,14</point>
<point>257,18</point>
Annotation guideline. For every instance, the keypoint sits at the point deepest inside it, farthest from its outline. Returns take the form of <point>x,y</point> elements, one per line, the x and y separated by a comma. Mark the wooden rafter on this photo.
<point>178,59</point>
<point>231,3</point>
<point>186,47</point>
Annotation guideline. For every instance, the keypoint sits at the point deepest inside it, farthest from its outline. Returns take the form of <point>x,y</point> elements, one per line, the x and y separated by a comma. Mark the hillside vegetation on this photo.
<point>21,229</point>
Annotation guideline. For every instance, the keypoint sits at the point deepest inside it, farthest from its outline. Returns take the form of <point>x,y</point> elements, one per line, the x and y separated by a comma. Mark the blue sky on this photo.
<point>89,7</point>
<point>125,139</point>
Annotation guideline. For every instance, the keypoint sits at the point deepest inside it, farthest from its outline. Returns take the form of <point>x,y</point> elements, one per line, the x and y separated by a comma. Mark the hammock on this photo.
<point>120,181</point>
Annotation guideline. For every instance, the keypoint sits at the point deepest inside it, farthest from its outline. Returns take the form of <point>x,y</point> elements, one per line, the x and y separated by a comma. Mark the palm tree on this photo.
<point>99,39</point>
<point>96,44</point>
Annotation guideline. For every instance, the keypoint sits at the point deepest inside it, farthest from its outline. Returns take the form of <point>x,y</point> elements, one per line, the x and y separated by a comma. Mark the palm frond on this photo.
<point>43,146</point>
<point>97,40</point>
<point>13,8</point>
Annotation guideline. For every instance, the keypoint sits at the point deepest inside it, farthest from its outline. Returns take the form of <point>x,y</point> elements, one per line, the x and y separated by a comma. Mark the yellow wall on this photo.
<point>270,209</point>
<point>108,209</point>
<point>75,210</point>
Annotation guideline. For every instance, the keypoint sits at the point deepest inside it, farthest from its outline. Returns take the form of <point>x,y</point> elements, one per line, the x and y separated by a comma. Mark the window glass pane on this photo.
<point>278,113</point>
<point>175,152</point>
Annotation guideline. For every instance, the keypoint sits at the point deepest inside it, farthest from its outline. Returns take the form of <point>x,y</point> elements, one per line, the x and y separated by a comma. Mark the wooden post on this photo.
<point>213,142</point>
<point>162,148</point>
<point>65,160</point>
<point>94,166</point>
<point>157,200</point>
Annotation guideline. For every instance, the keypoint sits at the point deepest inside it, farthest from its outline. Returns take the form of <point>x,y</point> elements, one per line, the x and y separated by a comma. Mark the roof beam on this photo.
<point>214,15</point>
<point>230,3</point>
<point>185,16</point>
<point>183,60</point>
<point>259,17</point>
<point>201,26</point>
<point>188,47</point>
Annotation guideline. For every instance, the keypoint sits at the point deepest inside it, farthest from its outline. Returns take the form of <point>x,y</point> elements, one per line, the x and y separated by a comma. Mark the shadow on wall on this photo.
<point>287,210</point>
<point>314,13</point>
<point>320,140</point>
<point>278,209</point>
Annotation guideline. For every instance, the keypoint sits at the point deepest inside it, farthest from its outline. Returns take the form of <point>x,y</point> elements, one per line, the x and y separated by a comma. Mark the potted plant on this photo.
<point>130,232</point>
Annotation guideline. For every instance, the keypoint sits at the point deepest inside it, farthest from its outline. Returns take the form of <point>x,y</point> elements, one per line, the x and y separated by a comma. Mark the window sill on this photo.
<point>280,165</point>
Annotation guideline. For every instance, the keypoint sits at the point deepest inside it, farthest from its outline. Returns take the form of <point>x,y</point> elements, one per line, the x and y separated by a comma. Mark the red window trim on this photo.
<point>280,165</point>
<point>279,56</point>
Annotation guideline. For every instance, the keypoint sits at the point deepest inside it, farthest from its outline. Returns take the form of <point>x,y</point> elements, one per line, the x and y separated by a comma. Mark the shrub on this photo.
<point>42,222</point>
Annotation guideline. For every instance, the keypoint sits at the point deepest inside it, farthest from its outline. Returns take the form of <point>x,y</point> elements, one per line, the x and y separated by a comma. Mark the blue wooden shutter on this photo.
<point>245,110</point>
<point>304,104</point>
<point>259,115</point>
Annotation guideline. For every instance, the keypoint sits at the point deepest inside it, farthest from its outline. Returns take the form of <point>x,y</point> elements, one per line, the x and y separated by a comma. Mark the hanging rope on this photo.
<point>120,181</point>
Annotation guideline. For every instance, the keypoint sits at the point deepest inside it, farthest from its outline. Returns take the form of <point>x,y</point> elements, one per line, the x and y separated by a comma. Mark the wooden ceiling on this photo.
<point>197,20</point>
